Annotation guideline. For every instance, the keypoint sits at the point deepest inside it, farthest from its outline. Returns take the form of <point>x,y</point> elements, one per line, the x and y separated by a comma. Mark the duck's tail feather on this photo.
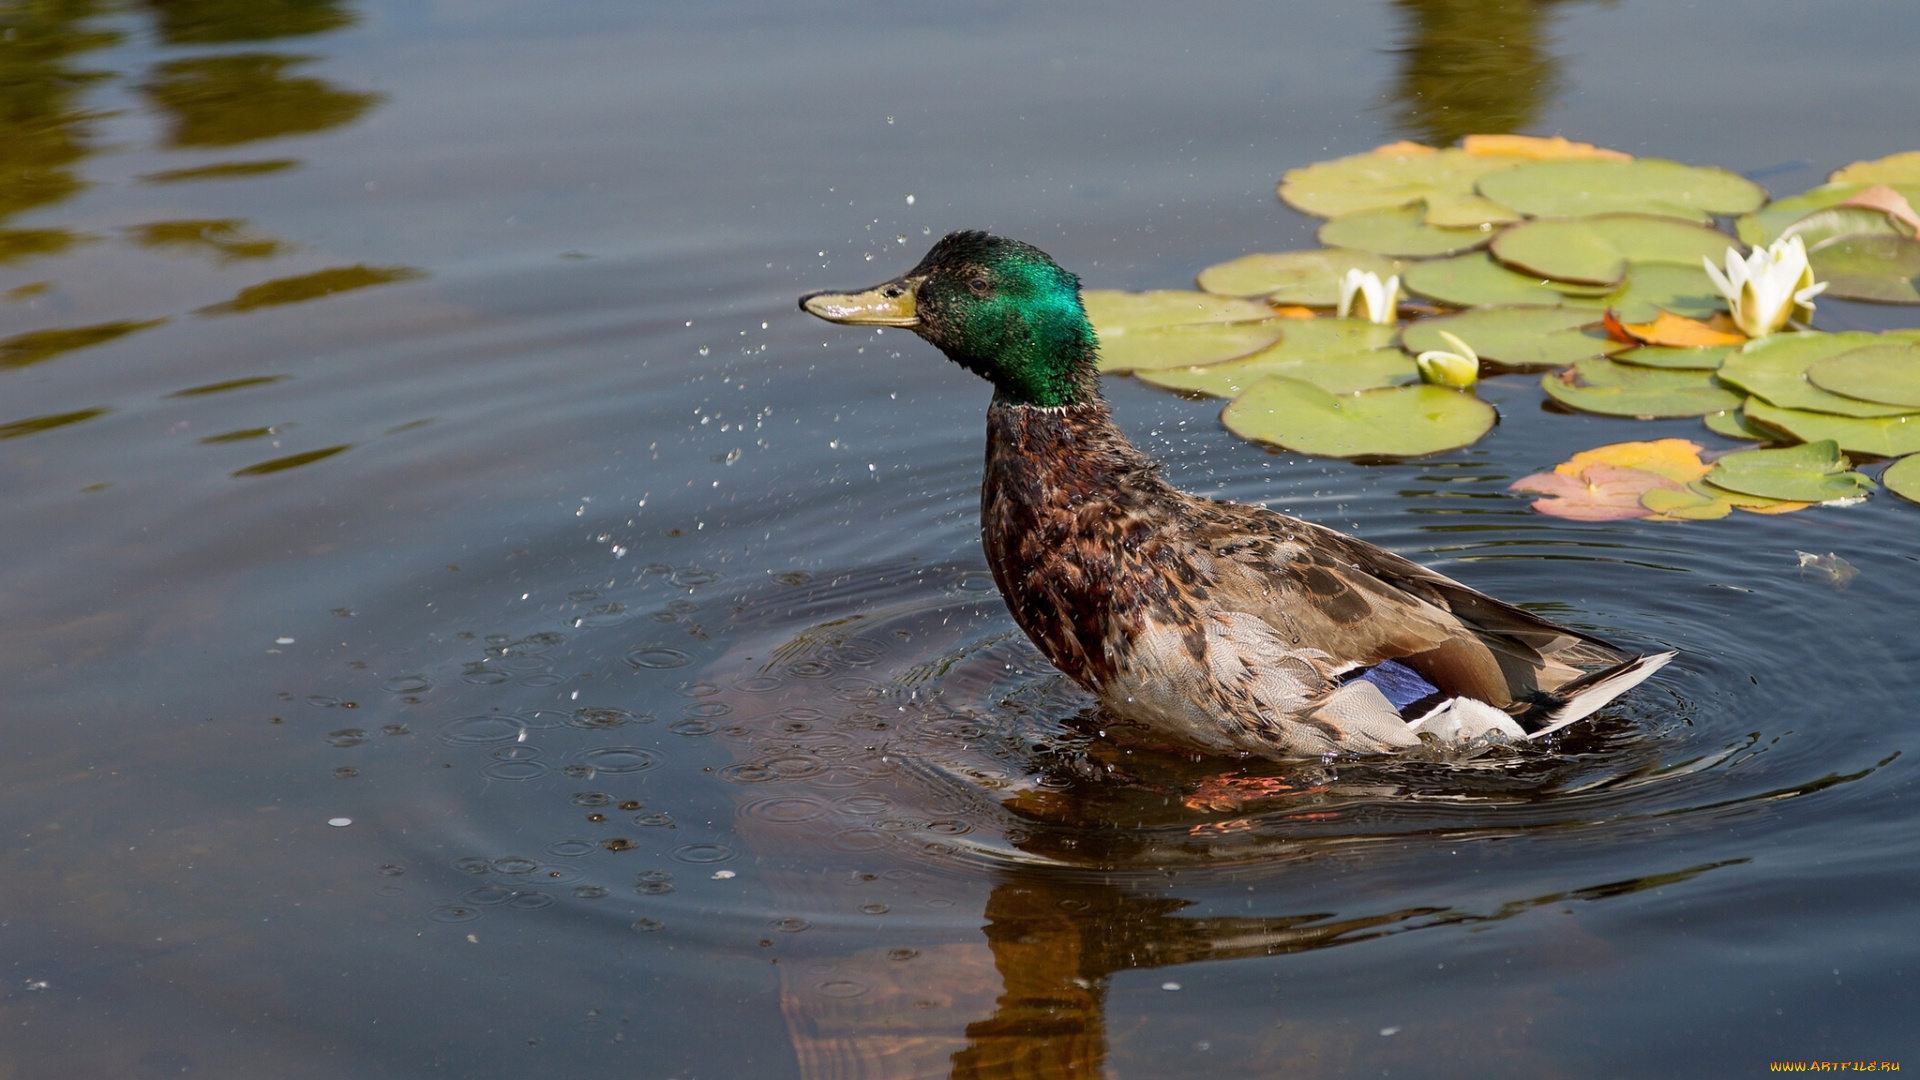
<point>1585,695</point>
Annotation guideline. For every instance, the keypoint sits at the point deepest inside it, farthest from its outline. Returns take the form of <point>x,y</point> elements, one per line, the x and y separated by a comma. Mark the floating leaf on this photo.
<point>1823,226</point>
<point>1666,294</point>
<point>1343,373</point>
<point>1476,280</point>
<point>1878,269</point>
<point>1538,148</point>
<point>1596,250</point>
<point>1596,493</point>
<point>1518,336</point>
<point>1765,226</point>
<point>1902,168</point>
<point>1675,459</point>
<point>1399,231</point>
<point>1647,186</point>
<point>1774,369</point>
<point>1889,436</point>
<point>1599,385</point>
<point>1686,504</point>
<point>1887,374</point>
<point>1812,472</point>
<point>1677,332</point>
<point>1733,424</point>
<point>1399,175</point>
<point>1890,202</point>
<point>1903,478</point>
<point>1338,355</point>
<point>1176,328</point>
<point>1310,278</point>
<point>1400,422</point>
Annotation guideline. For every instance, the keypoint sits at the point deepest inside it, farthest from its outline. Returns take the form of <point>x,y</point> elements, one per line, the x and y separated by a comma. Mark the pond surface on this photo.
<point>461,620</point>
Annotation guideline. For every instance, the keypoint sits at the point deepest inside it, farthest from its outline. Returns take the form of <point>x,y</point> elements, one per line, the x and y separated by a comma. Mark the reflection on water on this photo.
<point>245,97</point>
<point>1473,67</point>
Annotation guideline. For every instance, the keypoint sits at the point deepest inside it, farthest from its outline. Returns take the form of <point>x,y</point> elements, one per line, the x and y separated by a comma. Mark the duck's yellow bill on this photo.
<point>883,305</point>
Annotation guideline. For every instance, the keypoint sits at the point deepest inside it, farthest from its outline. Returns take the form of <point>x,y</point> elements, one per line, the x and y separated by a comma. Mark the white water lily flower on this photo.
<point>1458,369</point>
<point>1769,287</point>
<point>1380,302</point>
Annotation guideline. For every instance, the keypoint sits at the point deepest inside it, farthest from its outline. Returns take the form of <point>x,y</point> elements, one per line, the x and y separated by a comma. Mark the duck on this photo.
<point>1229,628</point>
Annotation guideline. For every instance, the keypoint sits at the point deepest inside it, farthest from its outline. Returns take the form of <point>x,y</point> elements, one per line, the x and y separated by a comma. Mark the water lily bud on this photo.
<point>1458,369</point>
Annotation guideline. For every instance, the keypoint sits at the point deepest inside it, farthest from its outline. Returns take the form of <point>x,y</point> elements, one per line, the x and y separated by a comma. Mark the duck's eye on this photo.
<point>892,291</point>
<point>979,286</point>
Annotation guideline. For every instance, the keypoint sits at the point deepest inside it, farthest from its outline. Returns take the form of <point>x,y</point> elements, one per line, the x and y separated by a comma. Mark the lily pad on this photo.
<point>1686,504</point>
<point>1652,288</point>
<point>1400,422</point>
<point>1338,355</point>
<point>1764,226</point>
<point>1175,328</point>
<point>1598,385</point>
<point>1596,250</point>
<point>1341,373</point>
<point>1646,185</point>
<point>1812,472</point>
<point>1476,280</point>
<point>1903,478</point>
<point>1887,374</point>
<point>1307,278</point>
<point>1675,359</point>
<point>1834,222</point>
<point>1878,269</point>
<point>1733,424</point>
<point>1400,176</point>
<point>1401,231</point>
<point>1888,436</point>
<point>1518,336</point>
<point>1895,169</point>
<point>1775,370</point>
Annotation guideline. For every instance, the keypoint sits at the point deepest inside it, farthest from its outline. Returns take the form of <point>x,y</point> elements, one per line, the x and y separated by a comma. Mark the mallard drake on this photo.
<point>1226,627</point>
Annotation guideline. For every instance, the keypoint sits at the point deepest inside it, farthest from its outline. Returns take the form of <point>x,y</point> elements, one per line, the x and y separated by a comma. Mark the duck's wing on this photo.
<point>1362,605</point>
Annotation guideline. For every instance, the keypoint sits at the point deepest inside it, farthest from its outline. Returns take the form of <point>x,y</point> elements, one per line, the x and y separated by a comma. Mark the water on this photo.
<point>635,623</point>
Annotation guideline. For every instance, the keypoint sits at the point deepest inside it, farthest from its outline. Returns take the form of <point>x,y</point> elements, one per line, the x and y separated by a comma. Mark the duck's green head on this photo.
<point>999,308</point>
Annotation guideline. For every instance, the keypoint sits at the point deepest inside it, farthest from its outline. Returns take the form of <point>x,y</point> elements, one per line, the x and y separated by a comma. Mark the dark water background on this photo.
<point>404,419</point>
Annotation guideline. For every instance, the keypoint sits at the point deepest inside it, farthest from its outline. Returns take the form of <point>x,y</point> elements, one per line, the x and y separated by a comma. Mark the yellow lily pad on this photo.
<point>1400,175</point>
<point>1398,422</point>
<point>1894,169</point>
<point>1399,231</point>
<point>1646,186</point>
<point>1598,385</point>
<point>1306,278</point>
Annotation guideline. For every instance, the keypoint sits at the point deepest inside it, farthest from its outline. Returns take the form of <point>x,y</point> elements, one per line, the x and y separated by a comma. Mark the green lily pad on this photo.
<point>1903,478</point>
<point>1112,309</point>
<point>1764,226</point>
<point>1401,231</point>
<point>1774,369</point>
<point>1340,356</point>
<point>1175,328</point>
<point>1673,358</point>
<point>1342,373</point>
<point>1596,250</point>
<point>1443,181</point>
<point>1644,185</point>
<point>1812,472</point>
<point>1399,422</point>
<point>1687,504</point>
<point>1733,424</point>
<point>1307,278</point>
<point>1655,287</point>
<point>1598,385</point>
<point>1887,374</point>
<point>1517,336</point>
<point>1476,280</point>
<point>1878,269</point>
<point>1834,222</point>
<point>1888,436</point>
<point>1894,169</point>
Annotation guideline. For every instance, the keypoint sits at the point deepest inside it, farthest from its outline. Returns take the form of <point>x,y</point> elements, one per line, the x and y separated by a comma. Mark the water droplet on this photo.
<point>658,657</point>
<point>616,759</point>
<point>339,822</point>
<point>703,853</point>
<point>1169,986</point>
